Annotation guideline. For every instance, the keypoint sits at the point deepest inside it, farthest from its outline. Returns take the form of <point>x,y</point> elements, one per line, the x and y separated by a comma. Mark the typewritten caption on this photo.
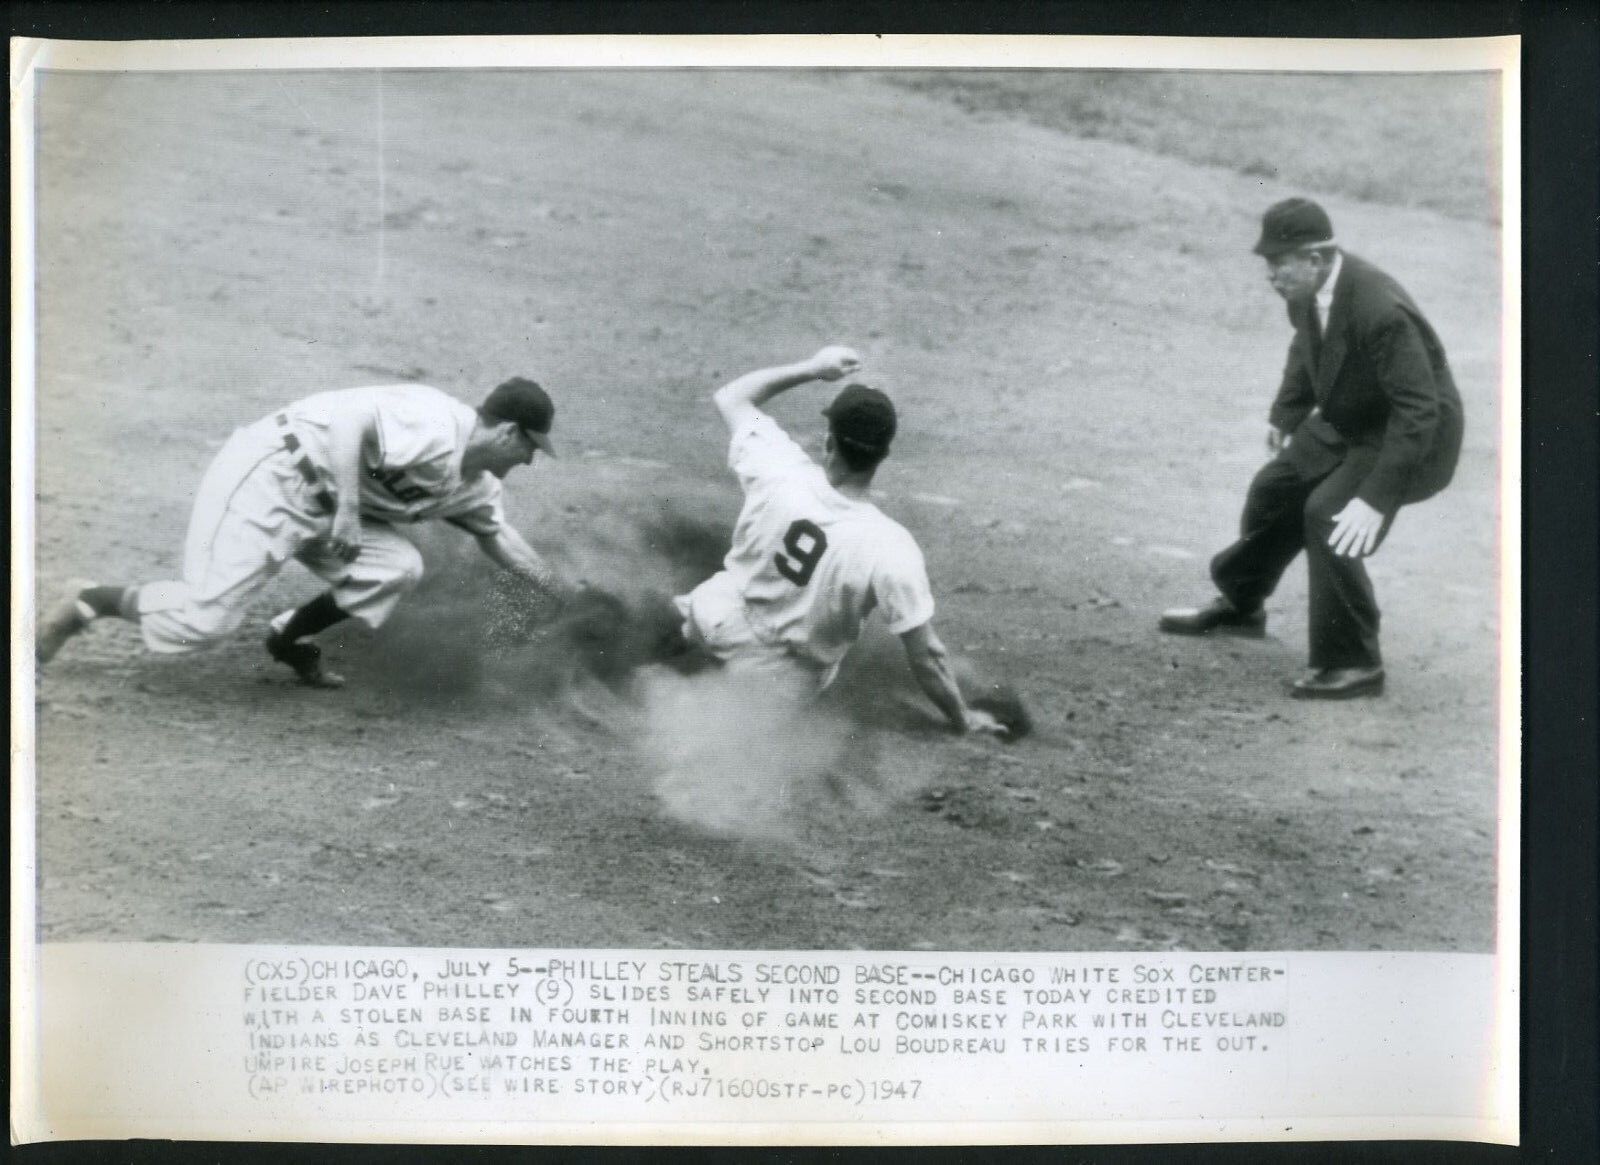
<point>834,1034</point>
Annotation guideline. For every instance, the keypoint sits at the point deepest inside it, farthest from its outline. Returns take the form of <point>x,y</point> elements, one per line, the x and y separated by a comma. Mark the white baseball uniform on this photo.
<point>269,497</point>
<point>808,564</point>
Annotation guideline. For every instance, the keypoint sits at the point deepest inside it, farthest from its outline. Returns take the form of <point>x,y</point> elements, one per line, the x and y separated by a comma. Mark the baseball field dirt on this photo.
<point>1083,350</point>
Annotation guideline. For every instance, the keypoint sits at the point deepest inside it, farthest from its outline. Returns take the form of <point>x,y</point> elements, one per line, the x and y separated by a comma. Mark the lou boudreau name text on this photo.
<point>695,1033</point>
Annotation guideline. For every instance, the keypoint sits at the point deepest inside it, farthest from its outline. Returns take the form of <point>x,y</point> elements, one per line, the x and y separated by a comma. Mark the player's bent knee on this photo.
<point>401,573</point>
<point>188,629</point>
<point>409,568</point>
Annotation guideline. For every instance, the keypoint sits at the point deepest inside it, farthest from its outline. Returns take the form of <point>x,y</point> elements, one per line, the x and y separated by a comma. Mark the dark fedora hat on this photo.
<point>1292,224</point>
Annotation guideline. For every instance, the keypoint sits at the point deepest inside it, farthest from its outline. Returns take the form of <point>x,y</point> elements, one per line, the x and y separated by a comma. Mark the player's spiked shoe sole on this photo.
<point>65,618</point>
<point>1218,617</point>
<point>305,660</point>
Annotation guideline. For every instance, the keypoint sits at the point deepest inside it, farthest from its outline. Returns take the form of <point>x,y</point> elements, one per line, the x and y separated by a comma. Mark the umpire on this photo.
<point>1367,420</point>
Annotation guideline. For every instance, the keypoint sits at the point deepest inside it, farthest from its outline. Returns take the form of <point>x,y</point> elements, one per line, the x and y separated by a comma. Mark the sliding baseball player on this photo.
<point>811,556</point>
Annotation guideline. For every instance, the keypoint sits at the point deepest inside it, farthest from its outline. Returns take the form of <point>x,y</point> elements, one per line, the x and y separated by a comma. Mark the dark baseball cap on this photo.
<point>1292,224</point>
<point>863,417</point>
<point>526,405</point>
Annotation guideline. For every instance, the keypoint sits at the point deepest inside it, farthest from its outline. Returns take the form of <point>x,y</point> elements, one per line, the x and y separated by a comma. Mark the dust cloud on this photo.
<point>742,754</point>
<point>472,634</point>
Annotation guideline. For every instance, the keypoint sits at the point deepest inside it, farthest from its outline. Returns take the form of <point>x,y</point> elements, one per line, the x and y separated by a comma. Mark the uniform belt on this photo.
<point>303,466</point>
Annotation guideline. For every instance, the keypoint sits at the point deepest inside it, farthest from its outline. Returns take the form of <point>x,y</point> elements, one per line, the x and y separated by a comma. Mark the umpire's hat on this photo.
<point>526,405</point>
<point>1292,224</point>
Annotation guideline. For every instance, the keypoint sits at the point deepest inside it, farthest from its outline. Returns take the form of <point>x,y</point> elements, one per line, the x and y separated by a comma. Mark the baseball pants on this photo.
<point>715,619</point>
<point>255,511</point>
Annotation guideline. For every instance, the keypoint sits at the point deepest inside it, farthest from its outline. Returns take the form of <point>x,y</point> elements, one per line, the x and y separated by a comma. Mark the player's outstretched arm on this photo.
<point>738,398</point>
<point>509,550</point>
<point>930,665</point>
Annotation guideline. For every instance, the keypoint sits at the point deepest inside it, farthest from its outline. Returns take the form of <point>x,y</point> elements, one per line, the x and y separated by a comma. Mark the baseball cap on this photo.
<point>1292,224</point>
<point>863,417</point>
<point>525,404</point>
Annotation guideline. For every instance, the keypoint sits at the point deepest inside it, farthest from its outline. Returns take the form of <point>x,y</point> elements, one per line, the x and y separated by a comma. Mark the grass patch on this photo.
<point>1417,140</point>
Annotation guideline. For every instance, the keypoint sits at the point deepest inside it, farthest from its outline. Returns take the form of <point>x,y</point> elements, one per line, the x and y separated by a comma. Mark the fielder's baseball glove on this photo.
<point>612,636</point>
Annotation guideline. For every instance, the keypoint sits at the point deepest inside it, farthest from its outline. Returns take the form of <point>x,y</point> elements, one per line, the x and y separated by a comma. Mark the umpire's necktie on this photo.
<point>1314,330</point>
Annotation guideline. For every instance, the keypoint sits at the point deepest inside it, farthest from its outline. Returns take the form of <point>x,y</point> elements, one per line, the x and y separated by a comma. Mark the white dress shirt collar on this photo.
<point>1325,292</point>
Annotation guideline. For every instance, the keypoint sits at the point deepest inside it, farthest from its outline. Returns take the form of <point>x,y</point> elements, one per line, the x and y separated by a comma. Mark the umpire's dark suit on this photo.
<point>1374,415</point>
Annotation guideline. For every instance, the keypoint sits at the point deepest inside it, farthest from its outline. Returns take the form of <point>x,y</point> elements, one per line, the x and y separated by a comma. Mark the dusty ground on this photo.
<point>1083,349</point>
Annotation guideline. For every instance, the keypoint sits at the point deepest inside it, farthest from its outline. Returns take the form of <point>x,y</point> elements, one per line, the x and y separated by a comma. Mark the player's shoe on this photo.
<point>67,616</point>
<point>306,661</point>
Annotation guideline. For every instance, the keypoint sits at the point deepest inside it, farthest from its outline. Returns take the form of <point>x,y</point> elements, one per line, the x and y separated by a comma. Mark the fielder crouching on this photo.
<point>329,481</point>
<point>811,556</point>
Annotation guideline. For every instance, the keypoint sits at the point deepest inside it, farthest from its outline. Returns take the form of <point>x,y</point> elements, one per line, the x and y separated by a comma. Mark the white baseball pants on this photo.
<point>254,511</point>
<point>714,618</point>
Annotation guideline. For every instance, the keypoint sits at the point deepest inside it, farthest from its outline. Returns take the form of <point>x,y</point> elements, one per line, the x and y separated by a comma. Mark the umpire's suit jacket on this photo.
<point>1381,383</point>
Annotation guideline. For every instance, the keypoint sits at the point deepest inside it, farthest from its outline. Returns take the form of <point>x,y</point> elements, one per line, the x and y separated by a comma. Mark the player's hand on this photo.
<point>344,541</point>
<point>1356,529</point>
<point>1277,440</point>
<point>979,721</point>
<point>834,362</point>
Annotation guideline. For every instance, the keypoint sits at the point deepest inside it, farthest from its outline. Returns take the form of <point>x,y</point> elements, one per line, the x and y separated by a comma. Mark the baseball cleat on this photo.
<point>67,616</point>
<point>306,661</point>
<point>1219,616</point>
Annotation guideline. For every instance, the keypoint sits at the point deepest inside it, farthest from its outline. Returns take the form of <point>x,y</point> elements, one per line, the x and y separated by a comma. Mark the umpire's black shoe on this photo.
<point>1219,616</point>
<point>1338,683</point>
<point>306,661</point>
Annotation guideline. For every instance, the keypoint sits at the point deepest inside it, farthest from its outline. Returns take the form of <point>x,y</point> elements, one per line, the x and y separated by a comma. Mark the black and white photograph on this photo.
<point>800,509</point>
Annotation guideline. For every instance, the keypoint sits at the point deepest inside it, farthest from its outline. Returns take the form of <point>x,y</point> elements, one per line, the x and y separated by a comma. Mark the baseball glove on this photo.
<point>612,636</point>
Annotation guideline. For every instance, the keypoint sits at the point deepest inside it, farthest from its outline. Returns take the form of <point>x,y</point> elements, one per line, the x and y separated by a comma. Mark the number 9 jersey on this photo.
<point>808,563</point>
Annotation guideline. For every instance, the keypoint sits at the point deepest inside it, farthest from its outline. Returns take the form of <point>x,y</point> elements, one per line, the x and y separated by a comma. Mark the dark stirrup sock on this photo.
<point>119,601</point>
<point>317,615</point>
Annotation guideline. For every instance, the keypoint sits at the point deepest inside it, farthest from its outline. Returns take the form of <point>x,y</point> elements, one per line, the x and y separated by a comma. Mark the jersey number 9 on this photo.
<point>805,543</point>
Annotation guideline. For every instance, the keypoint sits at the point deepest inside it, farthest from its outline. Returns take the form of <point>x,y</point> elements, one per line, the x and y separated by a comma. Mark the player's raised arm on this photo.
<point>738,398</point>
<point>930,665</point>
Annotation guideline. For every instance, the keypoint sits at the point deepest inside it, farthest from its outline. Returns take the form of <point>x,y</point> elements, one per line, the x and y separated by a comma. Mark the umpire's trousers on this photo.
<point>1286,512</point>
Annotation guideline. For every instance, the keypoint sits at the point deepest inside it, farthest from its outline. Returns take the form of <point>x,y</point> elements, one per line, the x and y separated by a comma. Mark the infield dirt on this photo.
<point>1083,351</point>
